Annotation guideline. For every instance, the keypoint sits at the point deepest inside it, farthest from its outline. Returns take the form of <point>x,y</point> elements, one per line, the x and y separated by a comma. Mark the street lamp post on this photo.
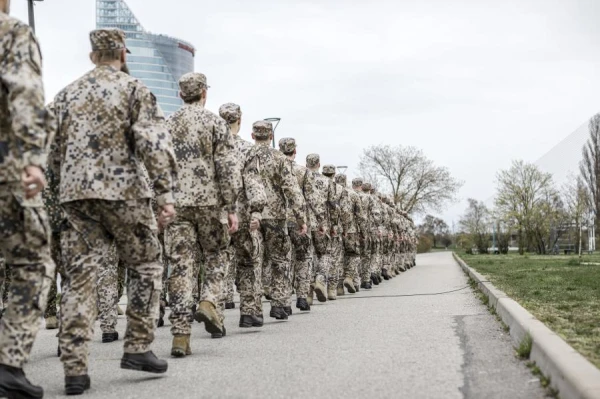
<point>275,122</point>
<point>343,172</point>
<point>31,14</point>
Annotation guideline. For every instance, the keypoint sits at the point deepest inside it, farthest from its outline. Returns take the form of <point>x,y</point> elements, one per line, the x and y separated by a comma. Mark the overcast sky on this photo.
<point>474,84</point>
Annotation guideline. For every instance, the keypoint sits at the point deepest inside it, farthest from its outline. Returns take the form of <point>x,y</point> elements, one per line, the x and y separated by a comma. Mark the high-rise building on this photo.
<point>158,60</point>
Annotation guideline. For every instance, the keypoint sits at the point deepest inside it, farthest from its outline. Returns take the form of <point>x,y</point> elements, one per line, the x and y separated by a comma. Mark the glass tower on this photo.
<point>157,60</point>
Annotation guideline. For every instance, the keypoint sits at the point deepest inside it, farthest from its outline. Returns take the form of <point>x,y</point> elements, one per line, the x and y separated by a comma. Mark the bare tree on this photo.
<point>526,195</point>
<point>434,227</point>
<point>476,222</point>
<point>416,183</point>
<point>590,165</point>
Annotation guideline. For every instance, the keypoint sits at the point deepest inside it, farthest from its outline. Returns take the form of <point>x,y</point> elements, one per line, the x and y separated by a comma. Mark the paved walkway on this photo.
<point>373,344</point>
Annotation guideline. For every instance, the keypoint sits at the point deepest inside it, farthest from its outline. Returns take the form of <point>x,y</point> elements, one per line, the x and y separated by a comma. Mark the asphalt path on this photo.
<point>424,334</point>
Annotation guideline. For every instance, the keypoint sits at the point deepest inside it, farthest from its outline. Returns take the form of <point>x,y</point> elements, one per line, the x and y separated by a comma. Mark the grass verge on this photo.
<point>557,290</point>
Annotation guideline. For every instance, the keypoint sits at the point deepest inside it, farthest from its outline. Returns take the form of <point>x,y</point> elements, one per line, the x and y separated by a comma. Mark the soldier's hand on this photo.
<point>232,220</point>
<point>166,215</point>
<point>303,230</point>
<point>379,234</point>
<point>254,224</point>
<point>33,181</point>
<point>321,231</point>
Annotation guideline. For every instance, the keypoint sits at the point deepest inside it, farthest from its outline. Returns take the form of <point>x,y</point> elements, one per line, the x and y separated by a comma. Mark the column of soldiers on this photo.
<point>161,199</point>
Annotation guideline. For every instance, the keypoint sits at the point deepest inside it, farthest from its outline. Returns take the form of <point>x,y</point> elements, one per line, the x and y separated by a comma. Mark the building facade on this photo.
<point>157,60</point>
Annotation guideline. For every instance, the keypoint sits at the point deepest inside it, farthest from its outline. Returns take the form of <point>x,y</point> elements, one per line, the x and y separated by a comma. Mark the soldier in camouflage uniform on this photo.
<point>247,241</point>
<point>26,128</point>
<point>108,295</point>
<point>209,182</point>
<point>301,244</point>
<point>282,191</point>
<point>374,213</point>
<point>322,239</point>
<point>354,226</point>
<point>387,236</point>
<point>106,197</point>
<point>364,269</point>
<point>336,246</point>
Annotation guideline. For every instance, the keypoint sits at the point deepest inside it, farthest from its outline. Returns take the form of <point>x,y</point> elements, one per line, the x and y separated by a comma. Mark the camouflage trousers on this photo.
<point>52,308</point>
<point>195,228</point>
<point>351,259</point>
<point>92,227</point>
<point>337,262</point>
<point>230,280</point>
<point>322,259</point>
<point>365,258</point>
<point>301,262</point>
<point>248,254</point>
<point>278,255</point>
<point>25,247</point>
<point>375,254</point>
<point>111,279</point>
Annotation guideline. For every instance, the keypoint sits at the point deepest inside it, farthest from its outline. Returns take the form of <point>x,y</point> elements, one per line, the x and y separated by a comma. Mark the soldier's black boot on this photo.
<point>302,304</point>
<point>374,279</point>
<point>368,286</point>
<point>386,275</point>
<point>230,305</point>
<point>14,384</point>
<point>76,385</point>
<point>219,334</point>
<point>278,313</point>
<point>110,337</point>
<point>144,362</point>
<point>288,310</point>
<point>258,321</point>
<point>247,321</point>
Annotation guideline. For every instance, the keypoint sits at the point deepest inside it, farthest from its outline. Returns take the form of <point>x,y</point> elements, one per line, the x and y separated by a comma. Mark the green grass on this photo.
<point>524,349</point>
<point>558,290</point>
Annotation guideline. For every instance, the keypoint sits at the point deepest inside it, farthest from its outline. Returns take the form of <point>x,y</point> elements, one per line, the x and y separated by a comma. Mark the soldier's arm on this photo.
<point>153,144</point>
<point>254,189</point>
<point>313,199</point>
<point>292,191</point>
<point>359,215</point>
<point>346,215</point>
<point>228,173</point>
<point>334,206</point>
<point>21,77</point>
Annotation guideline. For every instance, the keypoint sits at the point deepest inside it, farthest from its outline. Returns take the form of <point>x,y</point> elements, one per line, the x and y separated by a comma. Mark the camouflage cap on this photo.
<point>107,39</point>
<point>367,186</point>
<point>191,84</point>
<point>287,145</point>
<point>313,160</point>
<point>341,179</point>
<point>357,182</point>
<point>262,130</point>
<point>230,112</point>
<point>328,170</point>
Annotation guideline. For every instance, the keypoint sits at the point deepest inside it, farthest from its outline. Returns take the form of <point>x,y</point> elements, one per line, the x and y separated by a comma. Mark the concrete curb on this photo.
<point>569,372</point>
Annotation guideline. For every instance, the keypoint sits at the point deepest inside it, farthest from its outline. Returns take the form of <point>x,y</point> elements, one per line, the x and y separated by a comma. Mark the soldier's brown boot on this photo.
<point>206,312</point>
<point>332,294</point>
<point>349,284</point>
<point>320,291</point>
<point>51,323</point>
<point>181,346</point>
<point>340,290</point>
<point>120,311</point>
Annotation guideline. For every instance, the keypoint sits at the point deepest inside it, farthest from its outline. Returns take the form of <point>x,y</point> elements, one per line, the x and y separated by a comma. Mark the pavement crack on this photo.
<point>467,357</point>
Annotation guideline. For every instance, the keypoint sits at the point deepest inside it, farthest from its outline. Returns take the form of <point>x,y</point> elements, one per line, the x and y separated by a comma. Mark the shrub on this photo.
<point>425,244</point>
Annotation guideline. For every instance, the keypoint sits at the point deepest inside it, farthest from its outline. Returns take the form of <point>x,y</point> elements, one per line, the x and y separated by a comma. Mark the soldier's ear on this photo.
<point>253,138</point>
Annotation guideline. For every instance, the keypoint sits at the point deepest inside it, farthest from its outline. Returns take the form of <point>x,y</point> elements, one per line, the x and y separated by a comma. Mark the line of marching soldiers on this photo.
<point>125,187</point>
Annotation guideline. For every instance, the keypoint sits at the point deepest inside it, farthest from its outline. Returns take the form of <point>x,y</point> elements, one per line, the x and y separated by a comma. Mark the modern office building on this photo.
<point>158,60</point>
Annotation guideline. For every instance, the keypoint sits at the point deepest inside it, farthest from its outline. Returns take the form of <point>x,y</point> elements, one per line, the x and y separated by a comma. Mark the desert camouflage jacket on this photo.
<point>108,126</point>
<point>204,147</point>
<point>251,194</point>
<point>25,124</point>
<point>312,200</point>
<point>281,186</point>
<point>352,212</point>
<point>326,192</point>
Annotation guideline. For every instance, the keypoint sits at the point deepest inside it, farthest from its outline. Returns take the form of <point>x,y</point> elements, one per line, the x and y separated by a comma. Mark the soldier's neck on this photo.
<point>235,128</point>
<point>264,143</point>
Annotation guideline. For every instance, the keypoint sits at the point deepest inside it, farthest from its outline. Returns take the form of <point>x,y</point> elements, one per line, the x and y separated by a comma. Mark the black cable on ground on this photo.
<point>348,296</point>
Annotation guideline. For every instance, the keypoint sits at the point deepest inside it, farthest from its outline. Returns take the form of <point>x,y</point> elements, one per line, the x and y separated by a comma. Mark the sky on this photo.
<point>473,83</point>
